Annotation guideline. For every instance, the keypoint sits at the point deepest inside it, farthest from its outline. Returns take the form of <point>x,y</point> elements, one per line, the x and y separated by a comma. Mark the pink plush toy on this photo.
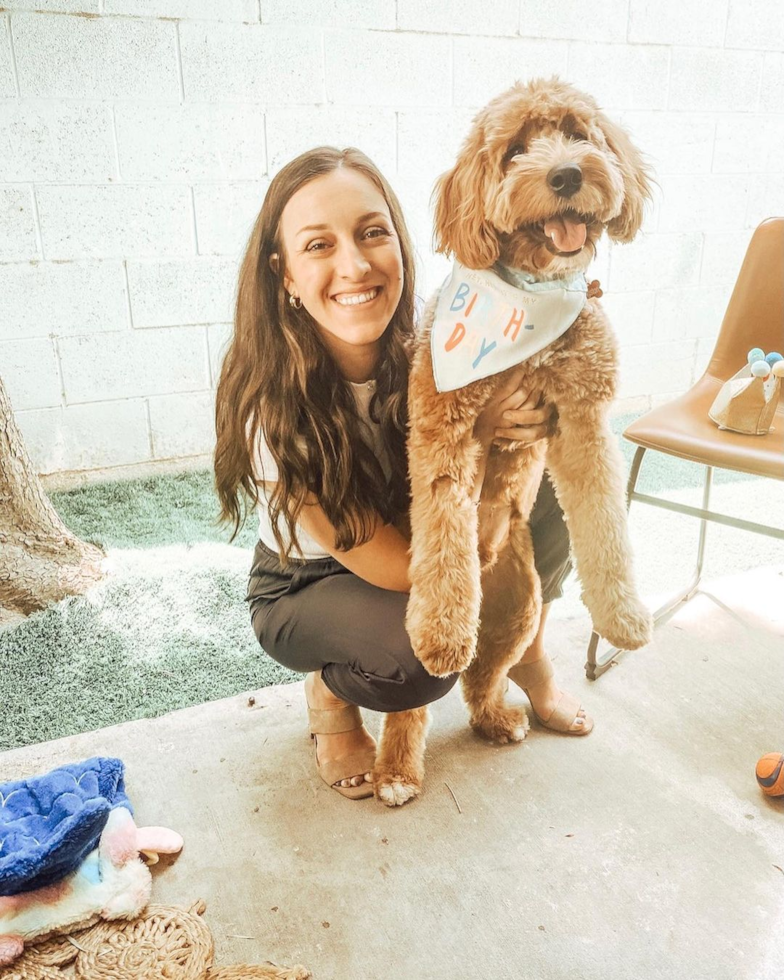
<point>113,882</point>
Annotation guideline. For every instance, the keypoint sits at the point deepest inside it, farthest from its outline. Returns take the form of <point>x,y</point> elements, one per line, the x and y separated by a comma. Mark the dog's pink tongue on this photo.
<point>567,235</point>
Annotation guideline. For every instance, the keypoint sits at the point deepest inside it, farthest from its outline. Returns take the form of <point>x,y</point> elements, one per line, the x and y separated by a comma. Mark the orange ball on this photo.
<point>770,774</point>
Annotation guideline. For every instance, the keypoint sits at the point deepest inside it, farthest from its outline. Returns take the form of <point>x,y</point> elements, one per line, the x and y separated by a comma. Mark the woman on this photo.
<point>311,425</point>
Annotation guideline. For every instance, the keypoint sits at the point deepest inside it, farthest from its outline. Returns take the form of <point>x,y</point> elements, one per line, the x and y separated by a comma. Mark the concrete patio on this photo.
<point>644,851</point>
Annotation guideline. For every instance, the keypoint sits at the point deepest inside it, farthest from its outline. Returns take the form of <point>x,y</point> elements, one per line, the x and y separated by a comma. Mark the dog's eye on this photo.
<point>577,135</point>
<point>515,151</point>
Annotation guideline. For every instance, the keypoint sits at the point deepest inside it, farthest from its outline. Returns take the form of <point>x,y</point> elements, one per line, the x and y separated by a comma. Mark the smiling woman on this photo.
<point>311,418</point>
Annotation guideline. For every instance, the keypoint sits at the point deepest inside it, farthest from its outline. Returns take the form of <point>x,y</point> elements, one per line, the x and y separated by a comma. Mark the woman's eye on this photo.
<point>376,232</point>
<point>316,246</point>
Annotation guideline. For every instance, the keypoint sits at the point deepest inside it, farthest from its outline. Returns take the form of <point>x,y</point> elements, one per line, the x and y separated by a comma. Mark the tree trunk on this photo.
<point>40,560</point>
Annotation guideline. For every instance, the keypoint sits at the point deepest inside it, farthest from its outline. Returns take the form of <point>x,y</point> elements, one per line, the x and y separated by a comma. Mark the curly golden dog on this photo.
<point>542,174</point>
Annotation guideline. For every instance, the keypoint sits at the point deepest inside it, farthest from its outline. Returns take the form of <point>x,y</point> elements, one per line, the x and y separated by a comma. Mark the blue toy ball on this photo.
<point>773,357</point>
<point>756,354</point>
<point>760,369</point>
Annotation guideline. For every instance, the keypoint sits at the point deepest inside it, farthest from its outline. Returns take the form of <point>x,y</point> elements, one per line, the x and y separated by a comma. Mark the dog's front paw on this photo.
<point>443,643</point>
<point>442,660</point>
<point>629,627</point>
<point>395,788</point>
<point>440,652</point>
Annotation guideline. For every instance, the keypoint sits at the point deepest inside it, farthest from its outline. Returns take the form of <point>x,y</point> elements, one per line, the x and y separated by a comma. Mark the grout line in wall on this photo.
<point>452,70</point>
<point>726,25</point>
<point>324,67</point>
<point>628,20</point>
<point>14,69</point>
<point>266,143</point>
<point>112,111</point>
<point>56,346</point>
<point>258,7</point>
<point>702,259</point>
<point>178,53</point>
<point>209,358</point>
<point>713,147</point>
<point>127,293</point>
<point>135,397</point>
<point>758,105</point>
<point>669,79</point>
<point>193,217</point>
<point>397,142</point>
<point>149,427</point>
<point>37,223</point>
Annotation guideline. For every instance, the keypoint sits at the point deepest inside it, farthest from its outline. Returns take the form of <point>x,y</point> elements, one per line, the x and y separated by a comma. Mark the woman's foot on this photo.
<point>335,748</point>
<point>553,708</point>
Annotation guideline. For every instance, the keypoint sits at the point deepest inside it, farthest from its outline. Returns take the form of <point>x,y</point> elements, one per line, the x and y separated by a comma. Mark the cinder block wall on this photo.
<point>137,138</point>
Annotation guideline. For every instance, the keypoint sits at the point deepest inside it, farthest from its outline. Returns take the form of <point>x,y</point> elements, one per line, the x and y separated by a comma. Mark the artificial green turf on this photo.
<point>160,510</point>
<point>170,627</point>
<point>157,635</point>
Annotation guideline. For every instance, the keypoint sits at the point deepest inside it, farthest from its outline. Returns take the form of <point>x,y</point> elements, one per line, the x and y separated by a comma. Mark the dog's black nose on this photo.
<point>566,179</point>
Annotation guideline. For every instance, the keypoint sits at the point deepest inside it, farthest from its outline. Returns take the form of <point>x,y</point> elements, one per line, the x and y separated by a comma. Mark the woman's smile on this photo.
<point>358,299</point>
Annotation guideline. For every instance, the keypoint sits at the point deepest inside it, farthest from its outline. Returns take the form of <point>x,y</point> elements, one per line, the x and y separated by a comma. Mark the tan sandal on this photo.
<point>331,721</point>
<point>565,713</point>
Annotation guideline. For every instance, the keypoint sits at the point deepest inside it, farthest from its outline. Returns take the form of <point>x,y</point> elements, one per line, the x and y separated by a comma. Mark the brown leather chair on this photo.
<point>754,318</point>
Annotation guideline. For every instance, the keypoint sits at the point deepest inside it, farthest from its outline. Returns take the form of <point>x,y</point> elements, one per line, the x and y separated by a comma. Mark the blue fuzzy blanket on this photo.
<point>49,824</point>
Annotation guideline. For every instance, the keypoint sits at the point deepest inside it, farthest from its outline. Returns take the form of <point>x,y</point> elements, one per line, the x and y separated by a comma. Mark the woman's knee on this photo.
<point>423,688</point>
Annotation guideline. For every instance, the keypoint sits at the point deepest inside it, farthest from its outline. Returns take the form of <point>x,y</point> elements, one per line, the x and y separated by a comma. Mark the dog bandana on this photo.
<point>484,324</point>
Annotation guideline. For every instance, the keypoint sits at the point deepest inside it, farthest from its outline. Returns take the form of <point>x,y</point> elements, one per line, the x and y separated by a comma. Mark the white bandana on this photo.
<point>483,325</point>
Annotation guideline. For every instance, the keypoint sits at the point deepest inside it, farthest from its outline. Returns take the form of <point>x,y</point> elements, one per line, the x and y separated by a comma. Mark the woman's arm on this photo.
<point>383,560</point>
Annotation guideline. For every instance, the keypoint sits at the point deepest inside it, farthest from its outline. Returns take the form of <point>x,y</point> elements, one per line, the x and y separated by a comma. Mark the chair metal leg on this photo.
<point>594,667</point>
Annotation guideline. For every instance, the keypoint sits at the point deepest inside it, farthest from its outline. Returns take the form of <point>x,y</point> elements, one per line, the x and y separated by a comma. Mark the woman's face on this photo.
<point>343,260</point>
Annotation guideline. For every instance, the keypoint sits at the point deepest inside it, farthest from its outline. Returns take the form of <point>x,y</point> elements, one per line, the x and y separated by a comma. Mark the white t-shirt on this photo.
<point>265,464</point>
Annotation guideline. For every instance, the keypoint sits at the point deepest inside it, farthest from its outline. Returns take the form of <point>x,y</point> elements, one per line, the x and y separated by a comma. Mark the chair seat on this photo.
<point>682,428</point>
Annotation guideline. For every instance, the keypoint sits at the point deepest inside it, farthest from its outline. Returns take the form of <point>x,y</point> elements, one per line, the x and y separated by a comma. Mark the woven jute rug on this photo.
<point>166,942</point>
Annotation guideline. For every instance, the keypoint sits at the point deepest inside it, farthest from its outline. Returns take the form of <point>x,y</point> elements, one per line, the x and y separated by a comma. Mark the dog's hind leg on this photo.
<point>511,607</point>
<point>400,761</point>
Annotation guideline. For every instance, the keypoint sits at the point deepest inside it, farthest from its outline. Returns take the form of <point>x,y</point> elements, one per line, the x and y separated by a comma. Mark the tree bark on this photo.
<point>41,561</point>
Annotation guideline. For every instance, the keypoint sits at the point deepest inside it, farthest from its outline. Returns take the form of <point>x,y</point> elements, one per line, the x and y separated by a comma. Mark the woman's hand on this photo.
<point>514,413</point>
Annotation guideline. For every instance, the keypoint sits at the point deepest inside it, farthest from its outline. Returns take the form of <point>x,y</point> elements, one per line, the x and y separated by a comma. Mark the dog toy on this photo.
<point>49,824</point>
<point>71,853</point>
<point>770,774</point>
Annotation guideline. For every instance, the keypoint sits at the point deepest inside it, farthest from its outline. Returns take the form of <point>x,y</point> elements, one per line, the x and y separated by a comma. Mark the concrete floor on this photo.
<point>644,851</point>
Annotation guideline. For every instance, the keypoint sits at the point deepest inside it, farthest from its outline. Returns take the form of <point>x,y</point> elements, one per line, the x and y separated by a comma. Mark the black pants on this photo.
<point>317,615</point>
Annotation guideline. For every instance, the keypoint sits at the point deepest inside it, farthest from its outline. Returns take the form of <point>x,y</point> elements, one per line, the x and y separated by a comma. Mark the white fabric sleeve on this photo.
<point>265,469</point>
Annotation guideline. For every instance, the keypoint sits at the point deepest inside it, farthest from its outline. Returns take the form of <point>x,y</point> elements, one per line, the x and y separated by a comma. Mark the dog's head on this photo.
<point>540,176</point>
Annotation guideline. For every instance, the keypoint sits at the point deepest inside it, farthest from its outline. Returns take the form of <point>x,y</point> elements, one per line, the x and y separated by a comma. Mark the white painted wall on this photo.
<point>137,138</point>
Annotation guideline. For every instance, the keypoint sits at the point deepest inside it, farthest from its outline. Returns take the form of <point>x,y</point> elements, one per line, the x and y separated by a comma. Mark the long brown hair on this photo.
<point>279,377</point>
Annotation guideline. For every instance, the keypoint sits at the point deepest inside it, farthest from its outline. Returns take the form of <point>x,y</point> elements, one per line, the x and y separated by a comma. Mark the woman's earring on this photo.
<point>295,302</point>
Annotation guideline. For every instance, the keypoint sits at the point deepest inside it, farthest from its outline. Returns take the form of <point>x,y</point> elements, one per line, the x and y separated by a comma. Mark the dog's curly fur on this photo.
<point>475,599</point>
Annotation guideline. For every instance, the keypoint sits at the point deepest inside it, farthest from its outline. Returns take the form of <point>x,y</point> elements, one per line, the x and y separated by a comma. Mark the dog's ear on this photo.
<point>462,196</point>
<point>636,182</point>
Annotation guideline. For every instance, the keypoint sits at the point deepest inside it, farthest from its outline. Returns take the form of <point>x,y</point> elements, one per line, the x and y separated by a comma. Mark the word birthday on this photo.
<point>484,304</point>
<point>484,325</point>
